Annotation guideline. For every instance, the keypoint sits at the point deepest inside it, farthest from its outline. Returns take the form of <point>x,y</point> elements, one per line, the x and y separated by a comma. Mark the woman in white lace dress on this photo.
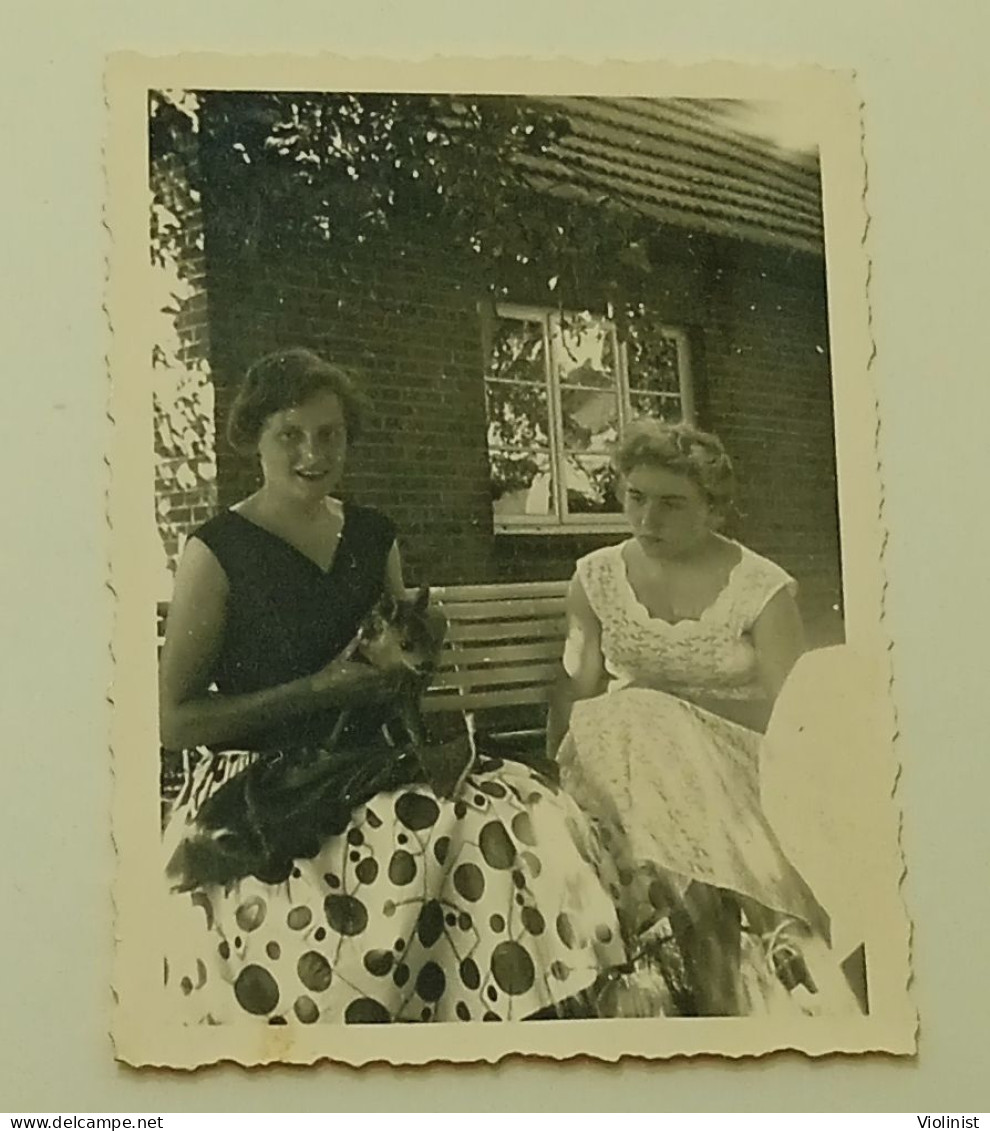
<point>679,640</point>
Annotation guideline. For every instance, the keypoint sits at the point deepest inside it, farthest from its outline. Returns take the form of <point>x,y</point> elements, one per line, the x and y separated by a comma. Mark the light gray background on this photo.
<point>921,72</point>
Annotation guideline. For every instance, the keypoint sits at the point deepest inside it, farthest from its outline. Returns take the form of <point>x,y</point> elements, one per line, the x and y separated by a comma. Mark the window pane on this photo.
<point>583,351</point>
<point>518,351</point>
<point>522,483</point>
<point>590,485</point>
<point>518,415</point>
<point>662,408</point>
<point>654,362</point>
<point>590,418</point>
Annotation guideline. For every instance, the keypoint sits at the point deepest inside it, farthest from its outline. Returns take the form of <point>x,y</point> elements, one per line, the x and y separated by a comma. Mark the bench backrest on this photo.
<point>503,647</point>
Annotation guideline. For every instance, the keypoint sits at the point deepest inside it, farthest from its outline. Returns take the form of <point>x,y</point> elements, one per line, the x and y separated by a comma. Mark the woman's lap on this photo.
<point>675,790</point>
<point>423,909</point>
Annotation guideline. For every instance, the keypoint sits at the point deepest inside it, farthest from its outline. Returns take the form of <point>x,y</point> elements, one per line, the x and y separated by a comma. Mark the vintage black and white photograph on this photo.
<point>497,550</point>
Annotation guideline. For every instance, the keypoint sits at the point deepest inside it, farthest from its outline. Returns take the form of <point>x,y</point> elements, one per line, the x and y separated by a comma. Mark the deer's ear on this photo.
<point>388,606</point>
<point>422,599</point>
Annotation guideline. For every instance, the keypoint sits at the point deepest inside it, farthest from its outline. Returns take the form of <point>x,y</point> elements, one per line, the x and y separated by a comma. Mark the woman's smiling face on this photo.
<point>302,449</point>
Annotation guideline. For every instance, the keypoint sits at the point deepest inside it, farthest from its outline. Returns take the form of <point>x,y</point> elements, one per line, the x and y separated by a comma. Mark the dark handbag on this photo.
<point>281,808</point>
<point>284,806</point>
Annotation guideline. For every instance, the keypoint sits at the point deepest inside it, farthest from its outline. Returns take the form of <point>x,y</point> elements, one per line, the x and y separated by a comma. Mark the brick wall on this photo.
<point>407,322</point>
<point>185,448</point>
<point>769,396</point>
<point>414,348</point>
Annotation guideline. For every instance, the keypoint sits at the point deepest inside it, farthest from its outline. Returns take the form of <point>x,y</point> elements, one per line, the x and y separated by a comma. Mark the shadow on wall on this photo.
<point>824,628</point>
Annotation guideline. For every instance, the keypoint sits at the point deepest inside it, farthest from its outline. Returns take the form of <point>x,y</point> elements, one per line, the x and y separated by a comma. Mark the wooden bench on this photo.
<point>501,654</point>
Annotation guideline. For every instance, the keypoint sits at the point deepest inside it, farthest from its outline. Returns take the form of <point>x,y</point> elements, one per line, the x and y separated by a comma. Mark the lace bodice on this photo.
<point>713,655</point>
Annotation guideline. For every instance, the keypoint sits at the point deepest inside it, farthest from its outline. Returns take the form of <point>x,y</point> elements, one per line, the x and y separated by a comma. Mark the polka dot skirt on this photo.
<point>485,908</point>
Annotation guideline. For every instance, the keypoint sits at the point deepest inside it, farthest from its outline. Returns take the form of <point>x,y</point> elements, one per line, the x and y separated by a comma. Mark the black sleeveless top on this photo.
<point>287,617</point>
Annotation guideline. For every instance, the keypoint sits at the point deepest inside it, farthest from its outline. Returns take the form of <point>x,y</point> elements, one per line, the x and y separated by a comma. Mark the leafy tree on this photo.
<point>347,169</point>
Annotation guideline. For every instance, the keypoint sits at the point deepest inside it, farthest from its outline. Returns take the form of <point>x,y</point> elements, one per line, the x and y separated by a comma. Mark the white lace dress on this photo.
<point>674,788</point>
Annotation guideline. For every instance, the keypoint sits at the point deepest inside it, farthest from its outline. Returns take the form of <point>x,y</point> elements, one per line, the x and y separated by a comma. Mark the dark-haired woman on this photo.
<point>418,908</point>
<point>679,641</point>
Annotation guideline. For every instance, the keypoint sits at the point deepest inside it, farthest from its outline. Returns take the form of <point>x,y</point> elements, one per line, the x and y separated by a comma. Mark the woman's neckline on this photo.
<point>332,505</point>
<point>705,613</point>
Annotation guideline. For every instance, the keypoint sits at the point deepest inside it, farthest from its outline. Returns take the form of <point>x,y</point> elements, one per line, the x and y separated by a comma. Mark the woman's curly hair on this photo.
<point>286,379</point>
<point>683,449</point>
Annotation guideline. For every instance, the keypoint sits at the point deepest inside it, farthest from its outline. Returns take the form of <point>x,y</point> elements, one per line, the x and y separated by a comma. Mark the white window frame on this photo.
<point>562,522</point>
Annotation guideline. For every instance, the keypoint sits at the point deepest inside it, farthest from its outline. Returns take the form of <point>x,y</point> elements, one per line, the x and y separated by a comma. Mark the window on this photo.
<point>559,387</point>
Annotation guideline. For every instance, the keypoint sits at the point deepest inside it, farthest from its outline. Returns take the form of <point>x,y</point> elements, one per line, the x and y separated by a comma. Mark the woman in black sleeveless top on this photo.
<point>417,907</point>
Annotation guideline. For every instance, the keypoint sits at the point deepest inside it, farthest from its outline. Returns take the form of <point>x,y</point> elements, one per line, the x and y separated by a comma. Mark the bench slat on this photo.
<point>500,654</point>
<point>497,592</point>
<point>496,677</point>
<point>527,608</point>
<point>479,700</point>
<point>507,630</point>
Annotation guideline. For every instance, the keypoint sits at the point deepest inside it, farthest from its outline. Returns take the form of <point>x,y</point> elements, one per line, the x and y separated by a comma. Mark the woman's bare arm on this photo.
<point>582,674</point>
<point>189,713</point>
<point>778,638</point>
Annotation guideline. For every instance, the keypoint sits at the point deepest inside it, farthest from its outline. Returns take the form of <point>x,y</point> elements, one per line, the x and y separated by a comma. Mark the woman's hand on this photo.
<point>778,639</point>
<point>344,682</point>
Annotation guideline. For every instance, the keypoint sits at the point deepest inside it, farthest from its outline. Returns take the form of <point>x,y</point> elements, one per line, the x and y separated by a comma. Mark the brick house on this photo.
<point>732,254</point>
